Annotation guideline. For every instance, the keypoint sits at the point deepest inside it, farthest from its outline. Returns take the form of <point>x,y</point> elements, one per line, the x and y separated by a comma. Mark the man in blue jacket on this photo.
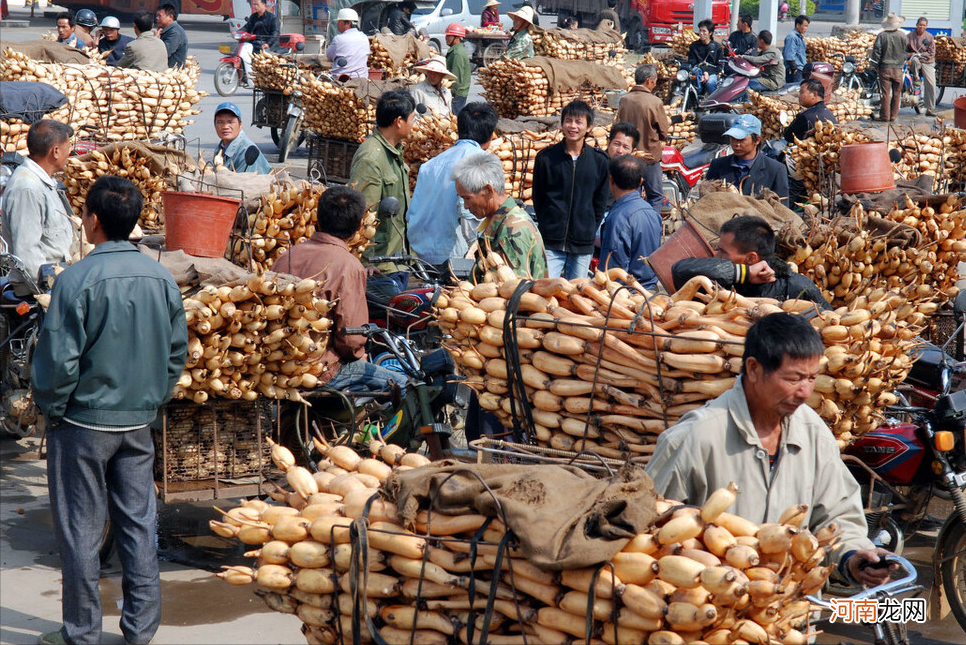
<point>748,168</point>
<point>435,217</point>
<point>633,228</point>
<point>570,194</point>
<point>237,150</point>
<point>109,354</point>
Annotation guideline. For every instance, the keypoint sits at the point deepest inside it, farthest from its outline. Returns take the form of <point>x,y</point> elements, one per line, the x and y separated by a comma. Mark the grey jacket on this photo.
<point>145,52</point>
<point>772,67</point>
<point>35,222</point>
<point>114,341</point>
<point>718,444</point>
<point>889,49</point>
<point>175,43</point>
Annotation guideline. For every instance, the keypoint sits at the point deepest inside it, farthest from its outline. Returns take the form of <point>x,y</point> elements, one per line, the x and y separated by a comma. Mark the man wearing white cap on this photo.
<point>351,44</point>
<point>521,44</point>
<point>110,40</point>
<point>431,92</point>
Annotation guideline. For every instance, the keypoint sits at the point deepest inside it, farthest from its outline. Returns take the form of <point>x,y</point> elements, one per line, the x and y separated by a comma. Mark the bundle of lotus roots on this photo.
<point>381,58</point>
<point>667,70</point>
<point>681,42</point>
<point>830,49</point>
<point>262,337</point>
<point>336,112</point>
<point>129,160</point>
<point>273,72</point>
<point>942,155</point>
<point>817,158</point>
<point>517,89</point>
<point>696,575</point>
<point>661,356</point>
<point>683,132</point>
<point>118,104</point>
<point>284,217</point>
<point>844,104</point>
<point>950,50</point>
<point>432,134</point>
<point>569,45</point>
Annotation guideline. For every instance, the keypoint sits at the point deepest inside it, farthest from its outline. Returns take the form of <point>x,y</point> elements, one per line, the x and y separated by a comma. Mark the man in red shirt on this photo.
<point>325,257</point>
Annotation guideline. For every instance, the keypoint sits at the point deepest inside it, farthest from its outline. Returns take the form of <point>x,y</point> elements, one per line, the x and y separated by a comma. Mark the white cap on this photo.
<point>349,15</point>
<point>111,22</point>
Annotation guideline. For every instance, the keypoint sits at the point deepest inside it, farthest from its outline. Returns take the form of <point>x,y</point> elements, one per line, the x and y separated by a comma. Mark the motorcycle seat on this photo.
<point>925,371</point>
<point>702,156</point>
<point>7,294</point>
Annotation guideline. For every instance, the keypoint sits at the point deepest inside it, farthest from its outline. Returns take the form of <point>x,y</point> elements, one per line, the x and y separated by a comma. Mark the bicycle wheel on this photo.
<point>952,570</point>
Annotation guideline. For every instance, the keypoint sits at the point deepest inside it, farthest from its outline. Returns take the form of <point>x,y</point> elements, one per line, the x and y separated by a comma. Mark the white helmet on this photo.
<point>349,15</point>
<point>111,22</point>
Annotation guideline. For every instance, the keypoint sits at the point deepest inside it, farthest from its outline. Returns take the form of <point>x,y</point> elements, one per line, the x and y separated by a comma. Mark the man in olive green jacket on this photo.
<point>458,64</point>
<point>761,435</point>
<point>379,171</point>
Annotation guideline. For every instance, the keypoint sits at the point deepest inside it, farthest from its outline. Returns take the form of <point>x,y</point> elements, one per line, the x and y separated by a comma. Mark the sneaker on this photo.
<point>52,638</point>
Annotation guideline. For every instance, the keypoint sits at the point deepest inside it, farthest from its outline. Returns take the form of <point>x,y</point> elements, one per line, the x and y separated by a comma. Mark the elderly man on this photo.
<point>351,44</point>
<point>632,230</point>
<point>430,91</point>
<point>521,43</point>
<point>889,50</point>
<point>236,149</point>
<point>172,34</point>
<point>794,51</point>
<point>646,112</point>
<point>772,75</point>
<point>507,229</point>
<point>921,52</point>
<point>111,41</point>
<point>435,217</point>
<point>116,302</point>
<point>36,216</point>
<point>747,168</point>
<point>760,435</point>
<point>746,262</point>
<point>146,51</point>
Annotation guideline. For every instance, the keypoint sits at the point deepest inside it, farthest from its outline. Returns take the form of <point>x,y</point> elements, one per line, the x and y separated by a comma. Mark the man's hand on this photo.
<point>870,576</point>
<point>371,271</point>
<point>760,273</point>
<point>704,77</point>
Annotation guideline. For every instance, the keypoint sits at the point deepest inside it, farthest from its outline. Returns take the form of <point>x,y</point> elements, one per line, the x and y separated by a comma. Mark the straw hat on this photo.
<point>492,3</point>
<point>435,65</point>
<point>893,21</point>
<point>525,14</point>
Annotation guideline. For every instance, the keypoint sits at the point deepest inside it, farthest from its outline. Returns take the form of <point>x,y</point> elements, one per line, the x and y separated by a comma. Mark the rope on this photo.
<point>514,370</point>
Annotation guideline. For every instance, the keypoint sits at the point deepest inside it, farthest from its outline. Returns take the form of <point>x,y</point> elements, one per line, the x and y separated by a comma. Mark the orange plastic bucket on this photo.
<point>865,168</point>
<point>959,112</point>
<point>686,242</point>
<point>198,223</point>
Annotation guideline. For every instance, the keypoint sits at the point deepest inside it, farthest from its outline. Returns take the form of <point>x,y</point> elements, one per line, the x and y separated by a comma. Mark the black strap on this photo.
<point>514,371</point>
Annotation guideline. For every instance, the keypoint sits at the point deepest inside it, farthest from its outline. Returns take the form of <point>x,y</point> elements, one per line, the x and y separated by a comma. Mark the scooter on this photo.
<point>911,89</point>
<point>230,72</point>
<point>919,453</point>
<point>738,72</point>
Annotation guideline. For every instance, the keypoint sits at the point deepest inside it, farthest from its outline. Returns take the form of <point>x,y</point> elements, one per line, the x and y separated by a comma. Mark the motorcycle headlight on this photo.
<point>848,68</point>
<point>682,75</point>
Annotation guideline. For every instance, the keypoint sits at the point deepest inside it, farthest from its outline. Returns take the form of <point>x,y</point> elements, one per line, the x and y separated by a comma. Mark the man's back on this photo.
<point>145,52</point>
<point>353,45</point>
<point>176,44</point>
<point>889,49</point>
<point>632,231</point>
<point>646,112</point>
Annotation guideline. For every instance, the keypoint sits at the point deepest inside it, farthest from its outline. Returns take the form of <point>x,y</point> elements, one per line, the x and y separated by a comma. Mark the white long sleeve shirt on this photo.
<point>353,45</point>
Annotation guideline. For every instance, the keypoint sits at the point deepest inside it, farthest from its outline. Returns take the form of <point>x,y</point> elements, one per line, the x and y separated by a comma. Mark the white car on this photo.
<point>433,20</point>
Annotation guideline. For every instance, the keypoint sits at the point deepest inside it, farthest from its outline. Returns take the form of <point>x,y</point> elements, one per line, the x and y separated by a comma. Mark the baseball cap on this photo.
<point>744,126</point>
<point>228,107</point>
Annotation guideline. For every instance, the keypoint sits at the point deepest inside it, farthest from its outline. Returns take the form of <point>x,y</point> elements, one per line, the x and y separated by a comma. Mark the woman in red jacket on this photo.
<point>490,15</point>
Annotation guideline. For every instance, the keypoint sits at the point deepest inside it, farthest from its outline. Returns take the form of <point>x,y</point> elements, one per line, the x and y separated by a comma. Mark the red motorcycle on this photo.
<point>230,72</point>
<point>919,453</point>
<point>683,169</point>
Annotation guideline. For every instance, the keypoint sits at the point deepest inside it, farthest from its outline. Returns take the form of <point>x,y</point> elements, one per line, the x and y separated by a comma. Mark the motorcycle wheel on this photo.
<point>291,138</point>
<point>939,94</point>
<point>952,571</point>
<point>226,79</point>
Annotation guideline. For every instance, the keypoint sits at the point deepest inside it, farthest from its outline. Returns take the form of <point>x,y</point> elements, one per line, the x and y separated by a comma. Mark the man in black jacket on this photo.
<point>746,262</point>
<point>262,24</point>
<point>743,40</point>
<point>811,96</point>
<point>707,54</point>
<point>747,168</point>
<point>398,20</point>
<point>570,194</point>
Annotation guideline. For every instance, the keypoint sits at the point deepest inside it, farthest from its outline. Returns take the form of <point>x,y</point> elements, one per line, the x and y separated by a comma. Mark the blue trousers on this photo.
<point>653,186</point>
<point>91,475</point>
<point>363,376</point>
<point>568,265</point>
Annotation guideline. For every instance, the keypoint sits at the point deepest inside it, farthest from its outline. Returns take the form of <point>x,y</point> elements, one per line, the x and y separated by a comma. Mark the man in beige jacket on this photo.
<point>760,435</point>
<point>646,111</point>
<point>147,51</point>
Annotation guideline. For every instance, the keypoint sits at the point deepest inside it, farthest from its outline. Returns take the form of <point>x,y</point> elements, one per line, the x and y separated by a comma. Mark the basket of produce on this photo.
<point>605,46</point>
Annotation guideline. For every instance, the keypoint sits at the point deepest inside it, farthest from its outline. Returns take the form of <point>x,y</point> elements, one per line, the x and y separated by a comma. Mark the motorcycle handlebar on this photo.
<point>890,588</point>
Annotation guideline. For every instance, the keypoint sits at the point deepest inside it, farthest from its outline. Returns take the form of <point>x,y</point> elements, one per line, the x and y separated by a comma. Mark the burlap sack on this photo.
<point>885,201</point>
<point>593,36</point>
<point>47,51</point>
<point>191,271</point>
<point>371,91</point>
<point>715,208</point>
<point>399,47</point>
<point>247,186</point>
<point>569,75</point>
<point>563,517</point>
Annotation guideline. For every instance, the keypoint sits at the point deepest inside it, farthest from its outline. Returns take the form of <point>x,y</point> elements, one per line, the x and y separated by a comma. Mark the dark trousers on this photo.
<point>653,185</point>
<point>458,103</point>
<point>890,84</point>
<point>92,474</point>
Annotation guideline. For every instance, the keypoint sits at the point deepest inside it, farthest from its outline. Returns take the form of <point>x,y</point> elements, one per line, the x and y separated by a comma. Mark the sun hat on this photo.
<point>434,65</point>
<point>492,3</point>
<point>525,13</point>
<point>744,126</point>
<point>893,21</point>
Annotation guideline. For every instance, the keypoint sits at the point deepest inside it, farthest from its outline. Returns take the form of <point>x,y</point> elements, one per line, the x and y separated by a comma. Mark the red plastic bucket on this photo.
<point>959,112</point>
<point>865,168</point>
<point>198,223</point>
<point>686,242</point>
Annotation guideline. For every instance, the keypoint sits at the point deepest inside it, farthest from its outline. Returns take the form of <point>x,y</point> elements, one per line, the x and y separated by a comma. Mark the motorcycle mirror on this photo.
<point>251,155</point>
<point>299,47</point>
<point>388,207</point>
<point>612,53</point>
<point>341,61</point>
<point>784,118</point>
<point>677,118</point>
<point>420,108</point>
<point>895,156</point>
<point>959,305</point>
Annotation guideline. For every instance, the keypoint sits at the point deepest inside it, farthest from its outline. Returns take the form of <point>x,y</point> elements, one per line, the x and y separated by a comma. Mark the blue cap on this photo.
<point>227,106</point>
<point>744,126</point>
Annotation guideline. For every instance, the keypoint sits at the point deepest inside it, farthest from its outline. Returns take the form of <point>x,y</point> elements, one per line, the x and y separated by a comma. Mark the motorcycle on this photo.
<point>683,169</point>
<point>8,163</point>
<point>230,72</point>
<point>919,453</point>
<point>686,90</point>
<point>912,95</point>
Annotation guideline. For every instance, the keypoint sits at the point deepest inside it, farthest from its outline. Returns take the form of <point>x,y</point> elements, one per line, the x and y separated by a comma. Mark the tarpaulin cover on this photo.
<point>28,101</point>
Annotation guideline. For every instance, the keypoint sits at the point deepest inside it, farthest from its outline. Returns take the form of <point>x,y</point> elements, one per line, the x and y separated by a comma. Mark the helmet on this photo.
<point>817,68</point>
<point>111,22</point>
<point>86,18</point>
<point>455,29</point>
<point>348,15</point>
